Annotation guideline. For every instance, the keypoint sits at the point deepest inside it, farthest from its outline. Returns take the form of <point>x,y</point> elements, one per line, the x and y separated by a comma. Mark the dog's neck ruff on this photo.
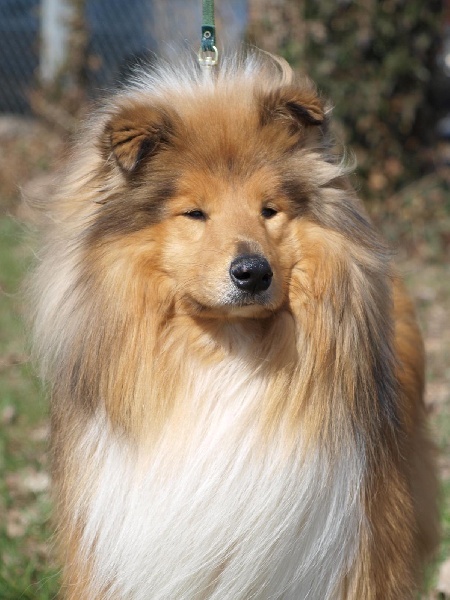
<point>217,511</point>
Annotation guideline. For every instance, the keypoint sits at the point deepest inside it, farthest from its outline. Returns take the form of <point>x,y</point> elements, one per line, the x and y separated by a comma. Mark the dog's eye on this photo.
<point>199,215</point>
<point>268,212</point>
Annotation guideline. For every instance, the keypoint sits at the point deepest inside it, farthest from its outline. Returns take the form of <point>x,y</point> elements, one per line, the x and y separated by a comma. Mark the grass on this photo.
<point>27,569</point>
<point>429,284</point>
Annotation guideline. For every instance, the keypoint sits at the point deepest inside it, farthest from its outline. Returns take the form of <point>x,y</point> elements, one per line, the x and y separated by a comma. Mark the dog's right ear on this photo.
<point>134,133</point>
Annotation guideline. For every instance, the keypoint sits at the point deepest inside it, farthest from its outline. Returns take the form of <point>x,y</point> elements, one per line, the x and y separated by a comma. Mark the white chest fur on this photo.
<point>218,512</point>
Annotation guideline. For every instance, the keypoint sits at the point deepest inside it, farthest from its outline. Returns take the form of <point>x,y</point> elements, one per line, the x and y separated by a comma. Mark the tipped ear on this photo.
<point>297,107</point>
<point>134,133</point>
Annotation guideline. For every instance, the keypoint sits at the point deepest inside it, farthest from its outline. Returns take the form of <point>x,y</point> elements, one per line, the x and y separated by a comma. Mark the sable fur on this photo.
<point>207,444</point>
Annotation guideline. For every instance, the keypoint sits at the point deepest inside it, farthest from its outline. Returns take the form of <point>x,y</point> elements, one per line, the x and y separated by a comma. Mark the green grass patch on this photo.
<point>27,570</point>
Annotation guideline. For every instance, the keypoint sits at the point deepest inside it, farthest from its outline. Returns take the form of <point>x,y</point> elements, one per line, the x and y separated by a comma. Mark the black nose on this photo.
<point>251,273</point>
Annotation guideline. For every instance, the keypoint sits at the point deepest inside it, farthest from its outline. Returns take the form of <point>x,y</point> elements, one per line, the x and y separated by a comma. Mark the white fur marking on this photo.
<point>213,508</point>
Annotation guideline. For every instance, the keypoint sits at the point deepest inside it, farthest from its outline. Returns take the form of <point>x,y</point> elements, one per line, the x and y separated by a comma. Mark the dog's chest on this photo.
<point>221,511</point>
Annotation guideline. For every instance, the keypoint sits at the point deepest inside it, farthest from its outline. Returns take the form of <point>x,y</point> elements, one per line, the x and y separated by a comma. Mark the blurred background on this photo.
<point>385,65</point>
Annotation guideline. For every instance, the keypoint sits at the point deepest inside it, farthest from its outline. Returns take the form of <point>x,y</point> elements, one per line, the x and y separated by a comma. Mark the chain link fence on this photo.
<point>118,34</point>
<point>19,59</point>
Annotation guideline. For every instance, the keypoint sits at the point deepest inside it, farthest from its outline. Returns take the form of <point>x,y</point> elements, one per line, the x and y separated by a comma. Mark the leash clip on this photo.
<point>208,55</point>
<point>208,58</point>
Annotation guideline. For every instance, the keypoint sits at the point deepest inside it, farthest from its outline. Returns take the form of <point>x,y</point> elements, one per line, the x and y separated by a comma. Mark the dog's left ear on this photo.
<point>296,107</point>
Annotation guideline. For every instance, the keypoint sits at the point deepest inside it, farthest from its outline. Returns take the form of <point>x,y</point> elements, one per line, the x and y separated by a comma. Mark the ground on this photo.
<point>417,222</point>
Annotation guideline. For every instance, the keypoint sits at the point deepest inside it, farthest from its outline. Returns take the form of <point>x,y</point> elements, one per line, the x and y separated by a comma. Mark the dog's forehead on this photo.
<point>227,187</point>
<point>225,134</point>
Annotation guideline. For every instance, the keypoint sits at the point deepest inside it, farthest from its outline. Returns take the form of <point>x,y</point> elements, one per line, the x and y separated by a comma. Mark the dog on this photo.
<point>235,367</point>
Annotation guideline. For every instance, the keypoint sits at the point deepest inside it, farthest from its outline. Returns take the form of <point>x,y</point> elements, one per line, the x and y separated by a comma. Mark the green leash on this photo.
<point>208,55</point>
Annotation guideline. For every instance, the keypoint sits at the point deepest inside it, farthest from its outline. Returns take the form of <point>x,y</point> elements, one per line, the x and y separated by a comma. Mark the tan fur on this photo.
<point>140,306</point>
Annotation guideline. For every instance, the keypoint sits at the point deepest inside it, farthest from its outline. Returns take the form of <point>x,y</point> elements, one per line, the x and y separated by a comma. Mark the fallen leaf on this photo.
<point>36,482</point>
<point>443,585</point>
<point>8,414</point>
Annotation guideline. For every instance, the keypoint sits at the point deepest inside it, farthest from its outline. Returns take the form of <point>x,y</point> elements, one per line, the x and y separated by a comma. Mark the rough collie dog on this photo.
<point>236,371</point>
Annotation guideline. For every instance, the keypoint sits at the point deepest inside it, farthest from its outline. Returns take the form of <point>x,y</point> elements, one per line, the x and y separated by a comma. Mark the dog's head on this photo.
<point>217,198</point>
<point>208,182</point>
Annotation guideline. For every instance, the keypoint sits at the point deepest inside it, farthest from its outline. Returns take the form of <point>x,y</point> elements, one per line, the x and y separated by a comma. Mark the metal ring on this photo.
<point>208,58</point>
